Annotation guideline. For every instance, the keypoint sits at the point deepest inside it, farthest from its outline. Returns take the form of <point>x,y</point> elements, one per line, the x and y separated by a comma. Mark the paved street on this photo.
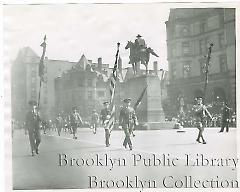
<point>44,172</point>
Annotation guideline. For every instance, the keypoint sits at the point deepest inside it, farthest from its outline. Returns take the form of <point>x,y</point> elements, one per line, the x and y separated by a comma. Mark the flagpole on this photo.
<point>207,71</point>
<point>41,67</point>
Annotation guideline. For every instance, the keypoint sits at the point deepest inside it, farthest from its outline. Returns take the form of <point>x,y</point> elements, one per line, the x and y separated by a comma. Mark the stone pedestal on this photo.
<point>150,112</point>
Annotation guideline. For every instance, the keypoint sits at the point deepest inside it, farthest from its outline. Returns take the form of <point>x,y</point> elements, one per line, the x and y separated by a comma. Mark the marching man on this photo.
<point>104,117</point>
<point>200,112</point>
<point>33,126</point>
<point>75,120</point>
<point>127,119</point>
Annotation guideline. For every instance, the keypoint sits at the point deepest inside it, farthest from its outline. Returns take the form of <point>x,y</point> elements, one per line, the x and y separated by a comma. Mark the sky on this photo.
<point>89,29</point>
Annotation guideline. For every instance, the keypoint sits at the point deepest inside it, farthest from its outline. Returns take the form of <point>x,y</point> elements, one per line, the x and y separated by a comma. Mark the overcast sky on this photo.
<point>90,29</point>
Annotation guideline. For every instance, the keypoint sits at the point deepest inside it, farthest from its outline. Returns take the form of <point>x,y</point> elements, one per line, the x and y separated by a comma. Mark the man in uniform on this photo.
<point>200,113</point>
<point>104,117</point>
<point>127,119</point>
<point>225,117</point>
<point>75,120</point>
<point>59,123</point>
<point>33,126</point>
<point>94,121</point>
<point>140,42</point>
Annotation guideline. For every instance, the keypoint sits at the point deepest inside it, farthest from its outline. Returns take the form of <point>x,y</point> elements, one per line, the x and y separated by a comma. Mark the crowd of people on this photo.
<point>188,119</point>
<point>198,117</point>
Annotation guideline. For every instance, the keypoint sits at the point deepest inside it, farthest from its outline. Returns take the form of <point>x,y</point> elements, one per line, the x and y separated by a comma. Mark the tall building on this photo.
<point>189,34</point>
<point>25,82</point>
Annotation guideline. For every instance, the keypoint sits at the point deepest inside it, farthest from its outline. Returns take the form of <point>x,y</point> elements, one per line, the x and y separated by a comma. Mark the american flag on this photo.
<point>41,70</point>
<point>113,81</point>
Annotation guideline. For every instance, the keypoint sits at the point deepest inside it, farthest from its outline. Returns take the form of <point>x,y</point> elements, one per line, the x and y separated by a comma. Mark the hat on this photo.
<point>199,97</point>
<point>32,103</point>
<point>139,35</point>
<point>105,102</point>
<point>127,100</point>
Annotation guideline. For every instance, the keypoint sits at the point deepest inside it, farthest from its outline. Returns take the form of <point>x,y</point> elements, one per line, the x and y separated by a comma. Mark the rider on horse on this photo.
<point>140,43</point>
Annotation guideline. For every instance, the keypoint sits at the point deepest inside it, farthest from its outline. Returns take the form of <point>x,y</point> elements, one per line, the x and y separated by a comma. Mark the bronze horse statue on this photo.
<point>139,54</point>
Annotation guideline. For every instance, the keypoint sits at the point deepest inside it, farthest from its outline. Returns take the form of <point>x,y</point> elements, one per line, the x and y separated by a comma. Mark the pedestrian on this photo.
<point>127,119</point>
<point>33,126</point>
<point>94,121</point>
<point>104,117</point>
<point>225,117</point>
<point>59,124</point>
<point>75,120</point>
<point>200,113</point>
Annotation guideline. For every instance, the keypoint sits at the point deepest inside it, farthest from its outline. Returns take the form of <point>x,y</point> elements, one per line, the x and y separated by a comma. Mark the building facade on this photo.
<point>189,35</point>
<point>25,82</point>
<point>84,86</point>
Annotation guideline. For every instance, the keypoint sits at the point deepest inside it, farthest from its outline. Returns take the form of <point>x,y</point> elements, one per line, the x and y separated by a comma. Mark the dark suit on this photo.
<point>127,119</point>
<point>32,124</point>
<point>225,119</point>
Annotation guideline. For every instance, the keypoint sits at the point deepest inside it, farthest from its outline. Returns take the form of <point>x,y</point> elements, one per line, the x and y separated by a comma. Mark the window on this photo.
<point>174,71</point>
<point>185,31</point>
<point>33,73</point>
<point>221,40</point>
<point>89,95</point>
<point>223,63</point>
<point>186,69</point>
<point>101,93</point>
<point>203,27</point>
<point>202,66</point>
<point>34,94</point>
<point>33,80</point>
<point>201,46</point>
<point>45,100</point>
<point>89,82</point>
<point>80,82</point>
<point>186,48</point>
<point>173,51</point>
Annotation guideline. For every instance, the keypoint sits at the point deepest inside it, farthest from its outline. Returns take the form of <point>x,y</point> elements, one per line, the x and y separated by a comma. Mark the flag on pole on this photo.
<point>113,81</point>
<point>41,70</point>
<point>140,99</point>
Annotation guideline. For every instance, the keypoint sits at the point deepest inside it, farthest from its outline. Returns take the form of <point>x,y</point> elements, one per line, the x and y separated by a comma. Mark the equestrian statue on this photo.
<point>139,52</point>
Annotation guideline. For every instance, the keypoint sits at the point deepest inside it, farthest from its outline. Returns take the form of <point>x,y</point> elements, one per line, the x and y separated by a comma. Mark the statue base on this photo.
<point>150,112</point>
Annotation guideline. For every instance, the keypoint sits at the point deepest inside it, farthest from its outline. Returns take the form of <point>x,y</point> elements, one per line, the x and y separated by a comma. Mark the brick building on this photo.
<point>189,34</point>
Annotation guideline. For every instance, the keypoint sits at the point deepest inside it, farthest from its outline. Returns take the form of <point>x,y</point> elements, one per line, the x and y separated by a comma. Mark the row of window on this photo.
<point>203,46</point>
<point>196,28</point>
<point>187,67</point>
<point>75,96</point>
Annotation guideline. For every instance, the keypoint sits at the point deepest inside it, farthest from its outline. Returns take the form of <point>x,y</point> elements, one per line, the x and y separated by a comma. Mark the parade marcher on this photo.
<point>225,117</point>
<point>33,126</point>
<point>75,120</point>
<point>59,123</point>
<point>94,121</point>
<point>104,117</point>
<point>200,113</point>
<point>127,119</point>
<point>44,125</point>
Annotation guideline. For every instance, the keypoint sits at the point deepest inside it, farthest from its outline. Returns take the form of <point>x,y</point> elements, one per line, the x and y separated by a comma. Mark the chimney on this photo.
<point>120,64</point>
<point>155,67</point>
<point>100,64</point>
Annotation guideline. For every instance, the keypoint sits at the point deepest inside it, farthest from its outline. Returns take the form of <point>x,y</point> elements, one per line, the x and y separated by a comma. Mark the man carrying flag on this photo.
<point>108,113</point>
